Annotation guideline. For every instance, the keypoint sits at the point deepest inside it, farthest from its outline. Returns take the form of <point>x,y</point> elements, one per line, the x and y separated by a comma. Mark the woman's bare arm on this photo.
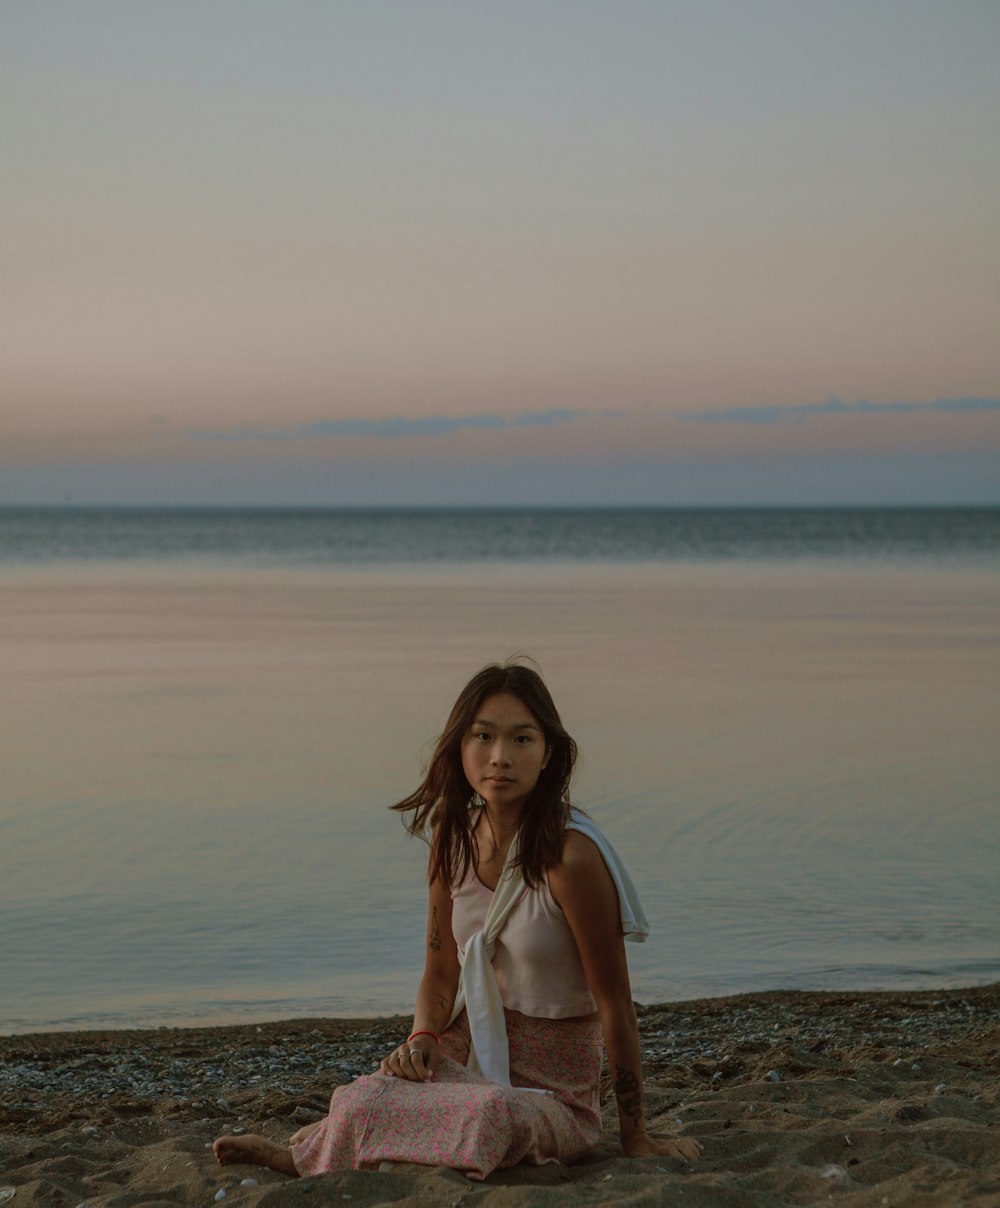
<point>439,984</point>
<point>583,887</point>
<point>417,1059</point>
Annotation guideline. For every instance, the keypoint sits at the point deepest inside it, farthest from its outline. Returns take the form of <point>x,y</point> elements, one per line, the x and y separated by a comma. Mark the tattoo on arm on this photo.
<point>442,1002</point>
<point>628,1091</point>
<point>434,943</point>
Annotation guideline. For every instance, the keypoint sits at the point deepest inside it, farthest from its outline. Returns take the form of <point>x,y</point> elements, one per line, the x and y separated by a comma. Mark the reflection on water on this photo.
<point>797,763</point>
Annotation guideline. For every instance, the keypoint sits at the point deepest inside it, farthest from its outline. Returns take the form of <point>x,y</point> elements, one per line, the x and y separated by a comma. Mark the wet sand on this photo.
<point>798,1098</point>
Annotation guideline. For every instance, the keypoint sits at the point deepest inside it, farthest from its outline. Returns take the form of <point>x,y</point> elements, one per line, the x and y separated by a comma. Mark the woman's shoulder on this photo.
<point>580,857</point>
<point>581,883</point>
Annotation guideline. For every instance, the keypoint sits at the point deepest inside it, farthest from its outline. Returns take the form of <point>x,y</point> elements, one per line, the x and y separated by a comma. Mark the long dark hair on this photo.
<point>439,808</point>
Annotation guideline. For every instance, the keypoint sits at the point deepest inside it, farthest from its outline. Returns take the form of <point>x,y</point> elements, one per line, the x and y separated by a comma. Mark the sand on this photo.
<point>799,1098</point>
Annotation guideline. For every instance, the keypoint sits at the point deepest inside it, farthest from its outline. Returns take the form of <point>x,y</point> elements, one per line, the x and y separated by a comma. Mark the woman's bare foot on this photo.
<point>641,1145</point>
<point>304,1133</point>
<point>254,1151</point>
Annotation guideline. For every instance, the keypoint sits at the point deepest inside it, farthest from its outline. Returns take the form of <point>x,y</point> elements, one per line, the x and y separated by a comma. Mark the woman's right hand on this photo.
<point>416,1059</point>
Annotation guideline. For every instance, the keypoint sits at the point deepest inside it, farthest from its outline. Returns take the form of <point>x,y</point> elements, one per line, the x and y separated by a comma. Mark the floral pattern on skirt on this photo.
<point>459,1119</point>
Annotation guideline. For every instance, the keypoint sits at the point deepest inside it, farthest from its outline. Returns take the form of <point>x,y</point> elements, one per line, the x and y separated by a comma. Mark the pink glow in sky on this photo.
<point>456,253</point>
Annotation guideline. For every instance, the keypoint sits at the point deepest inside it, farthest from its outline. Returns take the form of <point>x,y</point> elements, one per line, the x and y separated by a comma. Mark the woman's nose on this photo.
<point>499,754</point>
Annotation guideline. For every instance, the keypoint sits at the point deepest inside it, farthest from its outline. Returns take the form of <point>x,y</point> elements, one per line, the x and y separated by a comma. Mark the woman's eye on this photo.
<point>482,736</point>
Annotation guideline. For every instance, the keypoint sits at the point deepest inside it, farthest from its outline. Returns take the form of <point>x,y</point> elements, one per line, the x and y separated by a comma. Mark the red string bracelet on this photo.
<point>424,1032</point>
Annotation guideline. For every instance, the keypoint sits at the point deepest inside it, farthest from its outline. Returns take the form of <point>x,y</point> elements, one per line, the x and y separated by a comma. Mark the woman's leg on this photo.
<point>304,1133</point>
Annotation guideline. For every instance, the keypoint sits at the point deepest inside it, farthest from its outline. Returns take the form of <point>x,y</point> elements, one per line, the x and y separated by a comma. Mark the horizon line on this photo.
<point>77,505</point>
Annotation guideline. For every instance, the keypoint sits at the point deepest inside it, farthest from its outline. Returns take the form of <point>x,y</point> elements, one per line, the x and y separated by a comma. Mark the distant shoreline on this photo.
<point>445,508</point>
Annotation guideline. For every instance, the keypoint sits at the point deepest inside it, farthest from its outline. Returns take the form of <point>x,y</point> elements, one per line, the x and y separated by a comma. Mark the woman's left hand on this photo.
<point>642,1145</point>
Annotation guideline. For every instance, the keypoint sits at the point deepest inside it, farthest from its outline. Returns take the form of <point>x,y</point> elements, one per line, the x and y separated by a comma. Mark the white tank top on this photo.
<point>536,961</point>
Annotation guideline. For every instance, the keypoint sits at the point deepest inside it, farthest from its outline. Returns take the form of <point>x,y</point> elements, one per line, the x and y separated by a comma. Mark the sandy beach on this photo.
<point>798,1098</point>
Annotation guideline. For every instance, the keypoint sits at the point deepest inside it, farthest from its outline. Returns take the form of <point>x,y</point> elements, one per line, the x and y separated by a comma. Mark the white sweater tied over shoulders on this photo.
<point>478,991</point>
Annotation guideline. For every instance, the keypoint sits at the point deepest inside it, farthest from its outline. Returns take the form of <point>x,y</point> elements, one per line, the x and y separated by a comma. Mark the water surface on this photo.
<point>796,757</point>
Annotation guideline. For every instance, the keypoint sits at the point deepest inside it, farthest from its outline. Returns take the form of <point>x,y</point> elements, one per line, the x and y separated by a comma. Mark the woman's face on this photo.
<point>504,752</point>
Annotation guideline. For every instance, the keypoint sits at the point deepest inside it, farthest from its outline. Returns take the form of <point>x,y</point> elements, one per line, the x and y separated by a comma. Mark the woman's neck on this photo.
<point>500,829</point>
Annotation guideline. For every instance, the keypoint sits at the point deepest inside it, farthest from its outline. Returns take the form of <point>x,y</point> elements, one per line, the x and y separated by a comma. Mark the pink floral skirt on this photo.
<point>459,1119</point>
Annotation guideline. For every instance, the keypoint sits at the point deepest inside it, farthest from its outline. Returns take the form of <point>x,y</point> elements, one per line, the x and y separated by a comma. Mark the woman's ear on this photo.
<point>548,756</point>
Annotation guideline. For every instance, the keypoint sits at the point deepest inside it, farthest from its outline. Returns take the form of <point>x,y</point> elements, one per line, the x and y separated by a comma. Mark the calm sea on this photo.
<point>366,537</point>
<point>787,719</point>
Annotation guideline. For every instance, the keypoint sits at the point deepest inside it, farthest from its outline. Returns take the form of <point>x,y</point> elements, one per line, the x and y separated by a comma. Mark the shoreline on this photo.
<point>877,1094</point>
<point>703,1006</point>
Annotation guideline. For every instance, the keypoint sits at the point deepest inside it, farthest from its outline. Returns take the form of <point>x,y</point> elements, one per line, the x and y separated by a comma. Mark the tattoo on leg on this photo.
<point>434,943</point>
<point>628,1092</point>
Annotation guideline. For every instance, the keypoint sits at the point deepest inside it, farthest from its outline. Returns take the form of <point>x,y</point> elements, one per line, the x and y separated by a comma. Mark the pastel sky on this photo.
<point>538,251</point>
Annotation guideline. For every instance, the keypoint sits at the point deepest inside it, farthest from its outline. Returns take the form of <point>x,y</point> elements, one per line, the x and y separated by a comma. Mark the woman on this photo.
<point>525,970</point>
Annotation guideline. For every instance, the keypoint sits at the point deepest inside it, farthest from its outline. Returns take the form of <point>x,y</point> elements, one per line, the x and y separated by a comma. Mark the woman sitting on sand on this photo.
<point>525,967</point>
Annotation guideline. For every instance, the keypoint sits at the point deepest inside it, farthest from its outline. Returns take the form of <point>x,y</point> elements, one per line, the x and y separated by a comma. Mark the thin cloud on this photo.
<point>433,425</point>
<point>833,406</point>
